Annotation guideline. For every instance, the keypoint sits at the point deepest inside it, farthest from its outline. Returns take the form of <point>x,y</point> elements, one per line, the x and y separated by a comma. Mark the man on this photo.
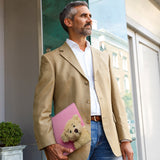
<point>76,72</point>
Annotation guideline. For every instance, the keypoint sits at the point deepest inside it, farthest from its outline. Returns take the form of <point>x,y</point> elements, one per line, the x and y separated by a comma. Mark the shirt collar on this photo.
<point>73,44</point>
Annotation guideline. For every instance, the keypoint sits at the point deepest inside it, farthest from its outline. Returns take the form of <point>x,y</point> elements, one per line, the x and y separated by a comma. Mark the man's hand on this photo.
<point>55,152</point>
<point>126,150</point>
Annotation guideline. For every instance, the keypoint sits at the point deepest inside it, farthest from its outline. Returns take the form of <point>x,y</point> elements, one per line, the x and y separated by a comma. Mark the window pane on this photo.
<point>110,35</point>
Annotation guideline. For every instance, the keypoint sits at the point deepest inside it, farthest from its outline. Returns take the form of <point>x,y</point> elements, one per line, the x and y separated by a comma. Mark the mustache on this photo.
<point>88,24</point>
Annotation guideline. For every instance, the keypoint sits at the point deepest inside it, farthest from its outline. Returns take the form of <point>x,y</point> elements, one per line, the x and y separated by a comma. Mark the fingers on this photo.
<point>62,157</point>
<point>123,155</point>
<point>126,150</point>
<point>67,150</point>
<point>64,150</point>
<point>55,152</point>
<point>130,155</point>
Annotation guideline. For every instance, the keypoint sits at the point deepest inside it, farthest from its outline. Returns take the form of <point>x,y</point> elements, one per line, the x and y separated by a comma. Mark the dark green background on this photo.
<point>53,33</point>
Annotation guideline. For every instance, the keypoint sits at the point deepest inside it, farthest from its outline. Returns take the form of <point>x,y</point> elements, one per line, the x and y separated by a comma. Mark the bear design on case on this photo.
<point>75,132</point>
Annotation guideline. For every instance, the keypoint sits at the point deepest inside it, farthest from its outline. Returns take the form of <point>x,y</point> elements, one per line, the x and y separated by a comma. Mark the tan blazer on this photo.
<point>63,80</point>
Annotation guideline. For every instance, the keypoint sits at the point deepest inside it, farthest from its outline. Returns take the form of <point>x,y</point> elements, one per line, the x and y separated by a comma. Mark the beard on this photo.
<point>86,31</point>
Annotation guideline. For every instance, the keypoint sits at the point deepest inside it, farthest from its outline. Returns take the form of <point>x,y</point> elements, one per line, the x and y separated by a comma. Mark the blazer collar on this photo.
<point>66,52</point>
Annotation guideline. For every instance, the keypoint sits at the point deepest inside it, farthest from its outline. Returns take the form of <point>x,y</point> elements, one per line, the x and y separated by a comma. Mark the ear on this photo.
<point>68,22</point>
<point>64,138</point>
<point>76,117</point>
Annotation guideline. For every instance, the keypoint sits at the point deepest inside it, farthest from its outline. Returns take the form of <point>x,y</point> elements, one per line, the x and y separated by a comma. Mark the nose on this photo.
<point>76,130</point>
<point>89,19</point>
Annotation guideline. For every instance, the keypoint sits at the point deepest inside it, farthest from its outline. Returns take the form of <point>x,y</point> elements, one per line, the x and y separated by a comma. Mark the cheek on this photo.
<point>80,22</point>
<point>69,135</point>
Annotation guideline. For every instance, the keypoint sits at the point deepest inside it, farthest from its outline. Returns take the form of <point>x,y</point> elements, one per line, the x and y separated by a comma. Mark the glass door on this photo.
<point>110,35</point>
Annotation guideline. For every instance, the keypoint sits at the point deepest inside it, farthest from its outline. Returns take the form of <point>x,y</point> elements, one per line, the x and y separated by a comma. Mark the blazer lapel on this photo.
<point>66,52</point>
<point>96,61</point>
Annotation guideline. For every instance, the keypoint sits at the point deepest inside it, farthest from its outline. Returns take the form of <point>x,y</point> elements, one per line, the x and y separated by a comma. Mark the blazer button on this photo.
<point>88,101</point>
<point>86,82</point>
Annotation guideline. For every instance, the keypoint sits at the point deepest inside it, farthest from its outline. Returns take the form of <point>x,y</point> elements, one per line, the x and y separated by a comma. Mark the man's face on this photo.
<point>82,23</point>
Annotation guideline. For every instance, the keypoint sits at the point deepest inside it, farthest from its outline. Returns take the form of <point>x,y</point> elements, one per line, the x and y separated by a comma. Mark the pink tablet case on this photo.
<point>59,121</point>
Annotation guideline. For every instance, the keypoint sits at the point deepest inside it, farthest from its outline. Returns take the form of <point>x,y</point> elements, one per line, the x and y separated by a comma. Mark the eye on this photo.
<point>73,125</point>
<point>84,15</point>
<point>70,131</point>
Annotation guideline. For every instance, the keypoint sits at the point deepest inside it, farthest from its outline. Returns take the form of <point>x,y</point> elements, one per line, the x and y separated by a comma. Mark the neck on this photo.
<point>81,41</point>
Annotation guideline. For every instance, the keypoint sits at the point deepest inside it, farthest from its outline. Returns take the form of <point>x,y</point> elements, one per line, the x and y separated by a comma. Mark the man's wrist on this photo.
<point>125,140</point>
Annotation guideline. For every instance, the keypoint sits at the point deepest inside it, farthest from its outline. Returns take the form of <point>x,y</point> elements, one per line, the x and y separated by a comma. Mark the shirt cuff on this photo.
<point>125,140</point>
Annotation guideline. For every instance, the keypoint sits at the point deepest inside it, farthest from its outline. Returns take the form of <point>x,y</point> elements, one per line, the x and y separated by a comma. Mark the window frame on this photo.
<point>132,29</point>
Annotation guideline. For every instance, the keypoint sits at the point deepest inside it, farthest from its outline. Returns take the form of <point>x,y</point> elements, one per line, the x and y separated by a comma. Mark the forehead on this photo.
<point>82,9</point>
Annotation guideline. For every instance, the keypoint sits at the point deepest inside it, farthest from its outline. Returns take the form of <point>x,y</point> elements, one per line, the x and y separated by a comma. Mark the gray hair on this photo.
<point>69,12</point>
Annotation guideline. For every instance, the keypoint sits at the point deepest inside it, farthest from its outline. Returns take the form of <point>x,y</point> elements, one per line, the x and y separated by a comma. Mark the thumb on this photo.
<point>68,150</point>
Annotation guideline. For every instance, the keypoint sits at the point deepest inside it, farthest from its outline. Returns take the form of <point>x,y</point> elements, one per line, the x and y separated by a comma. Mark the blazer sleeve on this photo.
<point>42,107</point>
<point>118,108</point>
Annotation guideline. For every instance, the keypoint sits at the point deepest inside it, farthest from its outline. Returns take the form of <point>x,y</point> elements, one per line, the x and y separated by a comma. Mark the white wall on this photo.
<point>21,68</point>
<point>144,13</point>
<point>2,61</point>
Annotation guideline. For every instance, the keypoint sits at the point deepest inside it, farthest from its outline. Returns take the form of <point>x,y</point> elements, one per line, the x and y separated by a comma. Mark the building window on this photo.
<point>118,82</point>
<point>115,60</point>
<point>125,66</point>
<point>126,83</point>
<point>102,46</point>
